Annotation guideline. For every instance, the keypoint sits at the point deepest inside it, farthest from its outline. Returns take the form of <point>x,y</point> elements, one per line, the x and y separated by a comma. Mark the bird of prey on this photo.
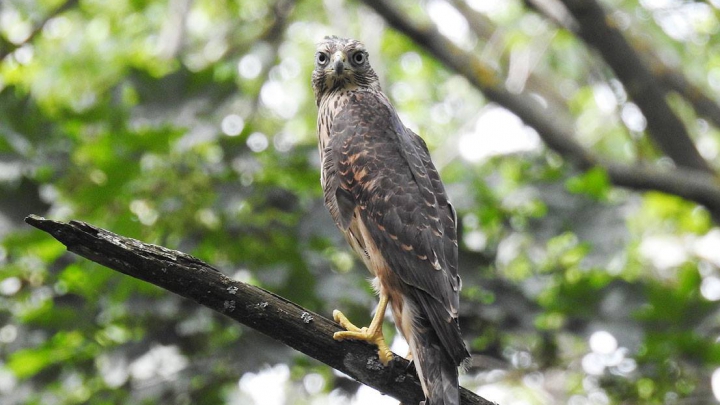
<point>385,195</point>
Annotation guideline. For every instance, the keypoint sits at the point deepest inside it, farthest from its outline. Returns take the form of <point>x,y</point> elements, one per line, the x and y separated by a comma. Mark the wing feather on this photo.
<point>339,201</point>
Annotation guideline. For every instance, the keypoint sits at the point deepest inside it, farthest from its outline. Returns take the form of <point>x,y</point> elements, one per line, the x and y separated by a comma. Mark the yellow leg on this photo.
<point>372,334</point>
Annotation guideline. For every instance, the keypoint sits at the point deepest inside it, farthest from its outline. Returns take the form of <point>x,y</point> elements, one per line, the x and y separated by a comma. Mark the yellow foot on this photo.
<point>372,335</point>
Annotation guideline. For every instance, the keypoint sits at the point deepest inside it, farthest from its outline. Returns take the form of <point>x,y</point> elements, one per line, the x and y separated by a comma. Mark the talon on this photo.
<point>410,367</point>
<point>340,318</point>
<point>373,334</point>
<point>384,352</point>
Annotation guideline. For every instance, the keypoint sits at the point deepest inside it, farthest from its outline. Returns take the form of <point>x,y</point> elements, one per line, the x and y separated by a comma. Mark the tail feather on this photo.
<point>446,328</point>
<point>437,370</point>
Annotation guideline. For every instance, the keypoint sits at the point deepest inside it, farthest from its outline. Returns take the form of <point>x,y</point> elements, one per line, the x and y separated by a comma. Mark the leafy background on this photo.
<point>191,124</point>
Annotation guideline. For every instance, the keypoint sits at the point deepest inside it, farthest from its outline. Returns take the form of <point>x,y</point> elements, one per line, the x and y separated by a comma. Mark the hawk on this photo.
<point>385,195</point>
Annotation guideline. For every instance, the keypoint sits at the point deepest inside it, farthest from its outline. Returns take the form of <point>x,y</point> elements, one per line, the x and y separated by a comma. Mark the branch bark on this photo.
<point>187,276</point>
<point>695,185</point>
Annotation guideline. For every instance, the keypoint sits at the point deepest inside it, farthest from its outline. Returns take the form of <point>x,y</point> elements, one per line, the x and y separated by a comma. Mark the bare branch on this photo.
<point>664,127</point>
<point>9,47</point>
<point>670,78</point>
<point>694,185</point>
<point>674,80</point>
<point>486,30</point>
<point>299,328</point>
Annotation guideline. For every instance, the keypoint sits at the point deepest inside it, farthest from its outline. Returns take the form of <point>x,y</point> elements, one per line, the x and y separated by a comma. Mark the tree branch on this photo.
<point>9,47</point>
<point>695,185</point>
<point>688,184</point>
<point>486,30</point>
<point>674,80</point>
<point>259,309</point>
<point>671,78</point>
<point>664,127</point>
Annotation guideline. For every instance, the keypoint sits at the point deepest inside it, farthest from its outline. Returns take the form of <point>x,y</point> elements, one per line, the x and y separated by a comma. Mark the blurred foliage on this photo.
<point>191,124</point>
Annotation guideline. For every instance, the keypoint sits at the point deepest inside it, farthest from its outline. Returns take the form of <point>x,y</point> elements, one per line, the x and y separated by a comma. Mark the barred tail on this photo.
<point>436,369</point>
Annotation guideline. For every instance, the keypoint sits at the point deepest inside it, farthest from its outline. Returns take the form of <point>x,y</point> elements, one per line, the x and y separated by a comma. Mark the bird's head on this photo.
<point>341,63</point>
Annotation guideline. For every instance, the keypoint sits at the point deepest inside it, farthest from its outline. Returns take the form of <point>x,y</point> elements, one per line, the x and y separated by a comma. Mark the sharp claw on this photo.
<point>410,367</point>
<point>385,356</point>
<point>353,332</point>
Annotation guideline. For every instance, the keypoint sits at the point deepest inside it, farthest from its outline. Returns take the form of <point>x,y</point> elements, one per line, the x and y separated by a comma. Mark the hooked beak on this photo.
<point>338,62</point>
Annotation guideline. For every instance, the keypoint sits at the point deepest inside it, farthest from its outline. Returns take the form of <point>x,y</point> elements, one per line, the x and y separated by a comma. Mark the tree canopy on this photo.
<point>578,141</point>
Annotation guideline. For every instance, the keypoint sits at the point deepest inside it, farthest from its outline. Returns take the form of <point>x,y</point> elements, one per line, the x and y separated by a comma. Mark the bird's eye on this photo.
<point>322,58</point>
<point>358,58</point>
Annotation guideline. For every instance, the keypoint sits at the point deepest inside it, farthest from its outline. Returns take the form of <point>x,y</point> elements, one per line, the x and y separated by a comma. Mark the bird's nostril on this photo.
<point>339,66</point>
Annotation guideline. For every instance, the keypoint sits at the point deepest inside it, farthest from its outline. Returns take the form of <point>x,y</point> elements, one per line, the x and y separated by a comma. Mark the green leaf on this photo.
<point>28,362</point>
<point>593,183</point>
